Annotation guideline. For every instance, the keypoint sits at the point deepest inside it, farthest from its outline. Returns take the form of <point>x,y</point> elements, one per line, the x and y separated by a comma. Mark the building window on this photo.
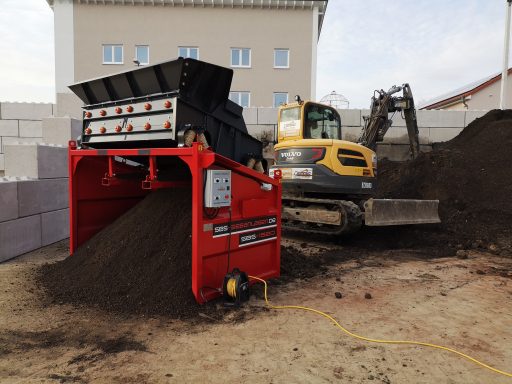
<point>241,57</point>
<point>192,52</point>
<point>281,58</point>
<point>241,98</point>
<point>112,54</point>
<point>280,98</point>
<point>142,54</point>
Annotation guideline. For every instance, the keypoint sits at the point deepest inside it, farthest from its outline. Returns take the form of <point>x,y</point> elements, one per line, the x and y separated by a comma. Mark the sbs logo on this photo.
<point>221,229</point>
<point>248,238</point>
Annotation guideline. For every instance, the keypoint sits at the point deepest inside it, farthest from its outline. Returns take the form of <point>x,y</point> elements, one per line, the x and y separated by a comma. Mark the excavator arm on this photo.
<point>377,123</point>
<point>411,121</point>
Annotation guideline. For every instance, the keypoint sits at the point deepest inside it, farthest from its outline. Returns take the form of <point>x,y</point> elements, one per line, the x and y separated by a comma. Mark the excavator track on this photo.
<point>320,216</point>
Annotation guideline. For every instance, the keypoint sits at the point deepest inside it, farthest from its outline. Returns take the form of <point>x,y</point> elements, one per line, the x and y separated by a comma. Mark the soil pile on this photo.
<point>139,264</point>
<point>471,176</point>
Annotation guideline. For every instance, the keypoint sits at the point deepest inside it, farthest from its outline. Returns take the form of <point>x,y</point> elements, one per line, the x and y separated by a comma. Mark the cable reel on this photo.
<point>235,288</point>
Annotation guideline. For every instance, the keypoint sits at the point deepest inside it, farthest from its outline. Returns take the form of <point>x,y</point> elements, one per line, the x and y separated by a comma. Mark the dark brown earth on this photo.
<point>471,176</point>
<point>139,264</point>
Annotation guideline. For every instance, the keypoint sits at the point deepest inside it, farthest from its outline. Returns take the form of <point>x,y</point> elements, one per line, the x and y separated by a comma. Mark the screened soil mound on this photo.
<point>139,264</point>
<point>471,175</point>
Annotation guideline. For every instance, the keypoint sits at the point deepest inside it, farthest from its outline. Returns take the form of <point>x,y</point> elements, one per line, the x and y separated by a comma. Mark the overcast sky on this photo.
<point>435,45</point>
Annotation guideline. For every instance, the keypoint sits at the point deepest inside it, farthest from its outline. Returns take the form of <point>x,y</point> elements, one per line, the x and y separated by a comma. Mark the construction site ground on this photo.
<point>458,301</point>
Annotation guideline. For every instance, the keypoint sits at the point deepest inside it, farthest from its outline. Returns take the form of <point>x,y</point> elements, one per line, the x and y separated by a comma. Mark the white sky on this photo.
<point>27,63</point>
<point>435,45</point>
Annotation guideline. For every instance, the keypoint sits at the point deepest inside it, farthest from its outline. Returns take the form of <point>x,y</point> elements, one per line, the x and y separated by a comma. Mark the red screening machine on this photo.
<point>171,125</point>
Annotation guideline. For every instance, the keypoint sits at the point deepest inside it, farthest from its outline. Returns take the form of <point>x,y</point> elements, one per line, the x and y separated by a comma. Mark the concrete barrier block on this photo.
<point>39,196</point>
<point>439,118</point>
<point>9,128</point>
<point>26,111</point>
<point>59,130</point>
<point>438,135</point>
<point>54,226</point>
<point>350,117</point>
<point>36,160</point>
<point>364,112</point>
<point>424,136</point>
<point>52,161</point>
<point>398,121</point>
<point>8,200</point>
<point>250,115</point>
<point>398,135</point>
<point>473,115</point>
<point>261,131</point>
<point>19,236</point>
<point>350,133</point>
<point>267,115</point>
<point>68,104</point>
<point>20,160</point>
<point>30,128</point>
<point>19,140</point>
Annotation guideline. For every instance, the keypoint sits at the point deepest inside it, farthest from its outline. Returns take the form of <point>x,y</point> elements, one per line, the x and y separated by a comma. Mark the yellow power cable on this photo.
<point>508,374</point>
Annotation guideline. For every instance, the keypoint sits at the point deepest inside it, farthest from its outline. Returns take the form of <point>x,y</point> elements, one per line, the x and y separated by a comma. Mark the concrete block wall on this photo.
<point>434,126</point>
<point>59,130</point>
<point>34,192</point>
<point>33,209</point>
<point>33,213</point>
<point>40,161</point>
<point>21,122</point>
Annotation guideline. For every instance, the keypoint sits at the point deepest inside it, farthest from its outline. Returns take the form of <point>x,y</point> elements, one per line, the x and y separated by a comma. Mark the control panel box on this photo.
<point>217,192</point>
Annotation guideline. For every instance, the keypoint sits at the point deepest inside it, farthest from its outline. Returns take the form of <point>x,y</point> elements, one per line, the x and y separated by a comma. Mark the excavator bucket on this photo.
<point>383,212</point>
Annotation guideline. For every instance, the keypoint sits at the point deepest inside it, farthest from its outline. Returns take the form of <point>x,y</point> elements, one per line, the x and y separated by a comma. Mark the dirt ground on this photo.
<point>460,302</point>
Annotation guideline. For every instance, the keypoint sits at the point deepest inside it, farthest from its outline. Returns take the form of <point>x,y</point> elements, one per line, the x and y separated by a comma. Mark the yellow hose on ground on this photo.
<point>508,374</point>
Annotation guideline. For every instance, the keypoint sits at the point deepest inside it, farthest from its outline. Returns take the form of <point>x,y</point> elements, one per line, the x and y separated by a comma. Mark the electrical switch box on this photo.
<point>217,192</point>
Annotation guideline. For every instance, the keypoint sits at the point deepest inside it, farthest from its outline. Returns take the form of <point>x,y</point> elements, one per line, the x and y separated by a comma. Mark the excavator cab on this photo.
<point>308,120</point>
<point>321,122</point>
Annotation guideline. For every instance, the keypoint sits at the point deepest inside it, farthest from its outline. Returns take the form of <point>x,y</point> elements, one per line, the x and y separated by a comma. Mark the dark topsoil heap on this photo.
<point>471,175</point>
<point>140,263</point>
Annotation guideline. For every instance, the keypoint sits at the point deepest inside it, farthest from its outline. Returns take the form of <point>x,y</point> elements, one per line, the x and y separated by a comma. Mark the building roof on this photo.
<point>262,4</point>
<point>462,92</point>
<point>285,4</point>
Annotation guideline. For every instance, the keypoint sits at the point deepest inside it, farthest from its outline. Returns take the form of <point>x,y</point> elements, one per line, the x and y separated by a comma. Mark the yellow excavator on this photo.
<point>329,183</point>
